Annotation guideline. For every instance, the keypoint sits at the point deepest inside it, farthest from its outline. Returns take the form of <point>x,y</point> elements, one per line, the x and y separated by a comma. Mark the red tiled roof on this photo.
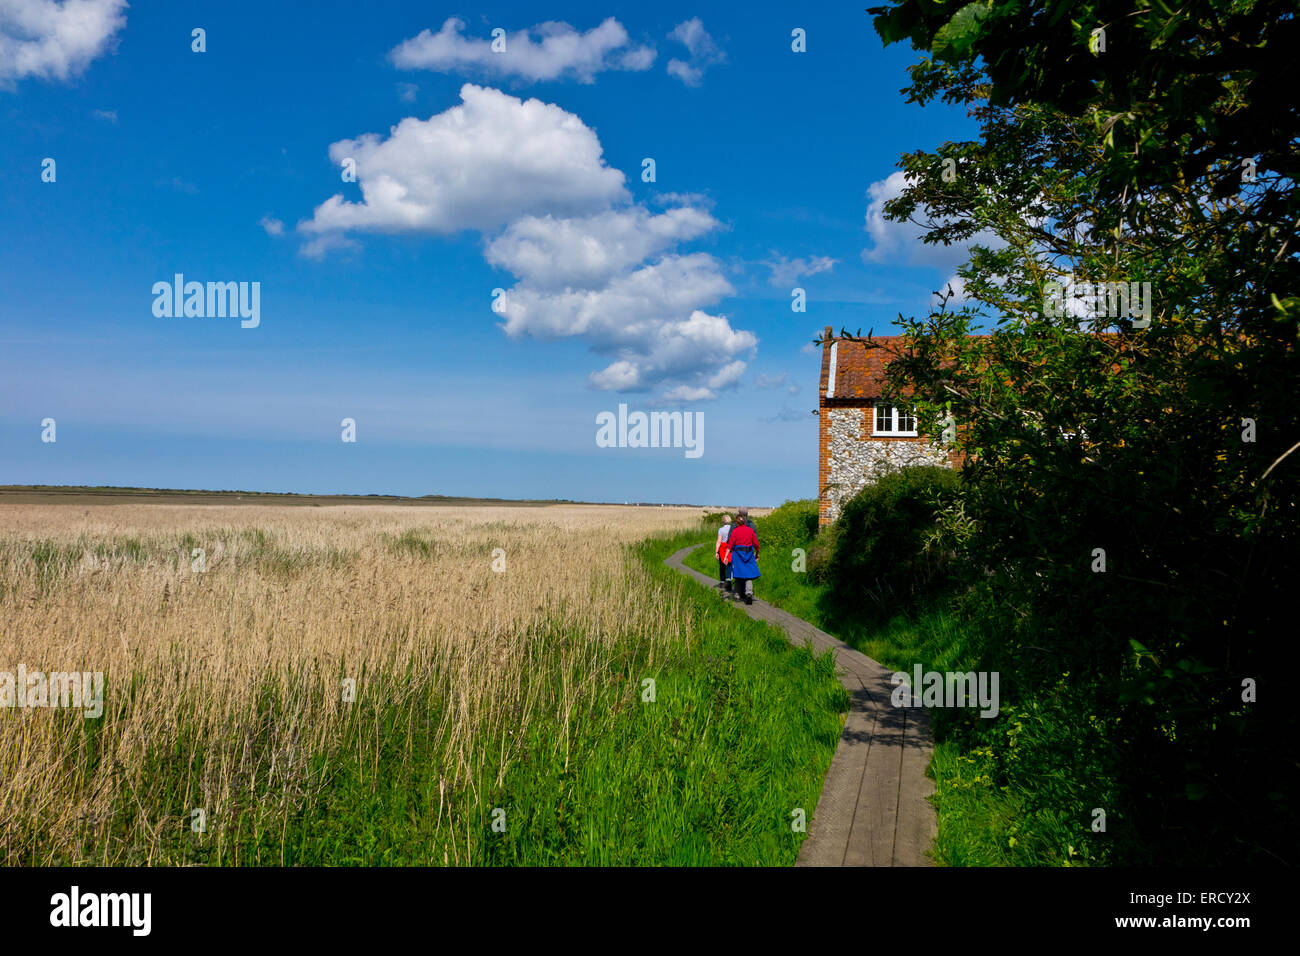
<point>859,371</point>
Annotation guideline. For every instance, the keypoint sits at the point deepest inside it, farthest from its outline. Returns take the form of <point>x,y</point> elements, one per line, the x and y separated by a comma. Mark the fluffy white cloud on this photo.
<point>637,317</point>
<point>55,40</point>
<point>590,264</point>
<point>900,242</point>
<point>618,376</point>
<point>704,52</point>
<point>273,226</point>
<point>786,272</point>
<point>556,252</point>
<point>730,373</point>
<point>560,52</point>
<point>687,393</point>
<point>478,166</point>
<point>698,352</point>
<point>629,309</point>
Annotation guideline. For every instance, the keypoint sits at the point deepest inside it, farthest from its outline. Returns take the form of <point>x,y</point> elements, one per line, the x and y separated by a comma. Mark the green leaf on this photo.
<point>955,38</point>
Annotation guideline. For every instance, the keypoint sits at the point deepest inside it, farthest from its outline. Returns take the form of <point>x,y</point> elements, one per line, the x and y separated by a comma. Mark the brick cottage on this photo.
<point>859,435</point>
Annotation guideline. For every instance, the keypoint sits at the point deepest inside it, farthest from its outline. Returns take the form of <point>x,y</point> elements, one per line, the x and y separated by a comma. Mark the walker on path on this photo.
<point>744,557</point>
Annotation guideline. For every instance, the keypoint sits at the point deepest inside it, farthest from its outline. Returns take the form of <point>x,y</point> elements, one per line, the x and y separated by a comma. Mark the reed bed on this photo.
<point>226,735</point>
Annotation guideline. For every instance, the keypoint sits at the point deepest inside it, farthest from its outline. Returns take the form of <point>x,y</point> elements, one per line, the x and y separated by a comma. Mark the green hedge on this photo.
<point>882,554</point>
<point>789,526</point>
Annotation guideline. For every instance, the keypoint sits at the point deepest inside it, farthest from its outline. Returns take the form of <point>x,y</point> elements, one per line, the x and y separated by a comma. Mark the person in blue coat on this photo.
<point>744,555</point>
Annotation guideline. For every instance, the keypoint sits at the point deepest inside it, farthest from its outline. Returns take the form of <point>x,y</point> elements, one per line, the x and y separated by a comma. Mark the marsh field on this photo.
<point>382,684</point>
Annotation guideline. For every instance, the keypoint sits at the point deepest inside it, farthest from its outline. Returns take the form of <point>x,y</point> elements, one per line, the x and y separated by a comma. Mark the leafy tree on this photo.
<point>1158,446</point>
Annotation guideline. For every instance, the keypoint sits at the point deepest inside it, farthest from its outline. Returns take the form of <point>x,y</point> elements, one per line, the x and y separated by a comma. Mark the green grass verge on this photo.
<point>1016,790</point>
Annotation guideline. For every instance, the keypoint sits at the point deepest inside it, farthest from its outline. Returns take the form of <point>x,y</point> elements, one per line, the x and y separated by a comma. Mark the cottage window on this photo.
<point>895,420</point>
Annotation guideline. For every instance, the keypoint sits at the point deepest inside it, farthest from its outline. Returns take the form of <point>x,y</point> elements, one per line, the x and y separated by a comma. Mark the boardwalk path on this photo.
<point>873,809</point>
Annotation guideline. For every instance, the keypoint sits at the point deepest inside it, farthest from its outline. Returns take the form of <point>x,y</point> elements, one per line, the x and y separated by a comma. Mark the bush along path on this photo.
<point>873,809</point>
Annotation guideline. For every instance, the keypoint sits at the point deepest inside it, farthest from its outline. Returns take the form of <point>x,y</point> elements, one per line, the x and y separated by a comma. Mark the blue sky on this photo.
<point>519,171</point>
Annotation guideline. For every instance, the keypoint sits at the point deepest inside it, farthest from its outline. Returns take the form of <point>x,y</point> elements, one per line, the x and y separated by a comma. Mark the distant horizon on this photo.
<point>92,489</point>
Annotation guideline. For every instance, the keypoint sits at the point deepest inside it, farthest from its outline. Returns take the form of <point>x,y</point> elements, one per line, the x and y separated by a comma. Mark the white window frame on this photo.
<point>894,431</point>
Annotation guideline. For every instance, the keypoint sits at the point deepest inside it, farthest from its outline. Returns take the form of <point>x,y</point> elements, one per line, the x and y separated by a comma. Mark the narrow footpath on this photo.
<point>873,809</point>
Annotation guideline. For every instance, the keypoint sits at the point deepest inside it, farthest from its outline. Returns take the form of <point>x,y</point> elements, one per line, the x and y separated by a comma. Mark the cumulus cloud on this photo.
<point>636,317</point>
<point>687,393</point>
<point>786,272</point>
<point>589,263</point>
<point>477,166</point>
<point>273,226</point>
<point>550,251</point>
<point>900,242</point>
<point>629,309</point>
<point>55,40</point>
<point>698,352</point>
<point>703,52</point>
<point>559,52</point>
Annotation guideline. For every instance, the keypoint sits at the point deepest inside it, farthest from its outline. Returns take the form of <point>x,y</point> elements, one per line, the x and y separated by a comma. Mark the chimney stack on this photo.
<point>827,336</point>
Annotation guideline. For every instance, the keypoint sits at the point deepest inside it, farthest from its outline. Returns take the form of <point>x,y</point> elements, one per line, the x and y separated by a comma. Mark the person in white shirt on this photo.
<point>722,551</point>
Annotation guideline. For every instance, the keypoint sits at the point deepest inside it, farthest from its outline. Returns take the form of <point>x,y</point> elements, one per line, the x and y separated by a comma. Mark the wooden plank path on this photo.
<point>873,809</point>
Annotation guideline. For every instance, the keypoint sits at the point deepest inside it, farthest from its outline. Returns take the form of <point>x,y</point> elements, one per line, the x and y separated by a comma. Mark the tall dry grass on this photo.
<point>225,687</point>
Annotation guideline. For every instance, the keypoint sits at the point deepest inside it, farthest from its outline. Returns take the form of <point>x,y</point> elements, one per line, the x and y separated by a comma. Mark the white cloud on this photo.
<point>690,75</point>
<point>699,352</point>
<point>52,40</point>
<point>958,286</point>
<point>618,376</point>
<point>626,310</point>
<point>687,393</point>
<point>561,52</point>
<point>636,317</point>
<point>590,264</point>
<point>477,166</point>
<point>682,199</point>
<point>407,92</point>
<point>900,242</point>
<point>551,252</point>
<point>704,52</point>
<point>273,226</point>
<point>691,34</point>
<point>786,272</point>
<point>728,375</point>
<point>326,243</point>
